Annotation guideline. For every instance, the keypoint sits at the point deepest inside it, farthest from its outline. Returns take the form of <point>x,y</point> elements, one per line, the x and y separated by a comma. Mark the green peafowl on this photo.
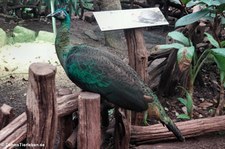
<point>101,72</point>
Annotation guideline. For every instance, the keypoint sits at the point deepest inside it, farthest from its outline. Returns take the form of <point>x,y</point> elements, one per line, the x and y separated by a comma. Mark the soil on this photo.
<point>14,80</point>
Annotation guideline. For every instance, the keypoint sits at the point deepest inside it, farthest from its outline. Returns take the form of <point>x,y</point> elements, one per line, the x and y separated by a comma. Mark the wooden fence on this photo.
<point>47,122</point>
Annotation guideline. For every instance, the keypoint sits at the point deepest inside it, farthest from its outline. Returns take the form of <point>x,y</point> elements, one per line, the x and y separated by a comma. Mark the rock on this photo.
<point>205,104</point>
<point>3,38</point>
<point>184,109</point>
<point>166,109</point>
<point>89,17</point>
<point>91,35</point>
<point>45,36</point>
<point>22,34</point>
<point>201,99</point>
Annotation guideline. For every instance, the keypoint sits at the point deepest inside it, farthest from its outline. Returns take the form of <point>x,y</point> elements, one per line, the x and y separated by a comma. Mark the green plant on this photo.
<point>188,103</point>
<point>211,10</point>
<point>187,58</point>
<point>218,54</point>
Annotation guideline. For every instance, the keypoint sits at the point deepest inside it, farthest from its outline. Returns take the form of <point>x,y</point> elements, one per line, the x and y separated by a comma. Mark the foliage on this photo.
<point>188,103</point>
<point>187,59</point>
<point>186,55</point>
<point>219,57</point>
<point>211,9</point>
<point>74,6</point>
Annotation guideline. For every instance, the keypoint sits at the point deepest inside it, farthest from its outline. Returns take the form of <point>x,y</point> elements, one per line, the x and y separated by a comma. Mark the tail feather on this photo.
<point>155,110</point>
<point>173,128</point>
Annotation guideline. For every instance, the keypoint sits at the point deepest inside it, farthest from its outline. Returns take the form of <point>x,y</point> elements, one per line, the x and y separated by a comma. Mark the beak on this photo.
<point>50,15</point>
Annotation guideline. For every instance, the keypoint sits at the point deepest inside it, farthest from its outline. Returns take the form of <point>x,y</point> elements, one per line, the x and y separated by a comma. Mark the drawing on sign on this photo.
<point>132,18</point>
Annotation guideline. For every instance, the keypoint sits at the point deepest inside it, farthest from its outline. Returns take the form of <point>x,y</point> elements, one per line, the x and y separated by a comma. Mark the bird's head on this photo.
<point>59,14</point>
<point>156,111</point>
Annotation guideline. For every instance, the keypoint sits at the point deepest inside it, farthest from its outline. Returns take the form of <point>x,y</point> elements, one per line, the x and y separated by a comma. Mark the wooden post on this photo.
<point>89,128</point>
<point>65,123</point>
<point>122,129</point>
<point>41,106</point>
<point>6,115</point>
<point>71,142</point>
<point>15,132</point>
<point>137,52</point>
<point>138,60</point>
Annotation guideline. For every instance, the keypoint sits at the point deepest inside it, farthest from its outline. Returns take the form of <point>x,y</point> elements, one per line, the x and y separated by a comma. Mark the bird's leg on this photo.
<point>145,118</point>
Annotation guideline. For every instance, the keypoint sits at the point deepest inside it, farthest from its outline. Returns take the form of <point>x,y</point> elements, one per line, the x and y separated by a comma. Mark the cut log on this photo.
<point>139,134</point>
<point>6,115</point>
<point>89,127</point>
<point>14,140</point>
<point>41,104</point>
<point>68,101</point>
<point>71,142</point>
<point>12,127</point>
<point>122,129</point>
<point>155,133</point>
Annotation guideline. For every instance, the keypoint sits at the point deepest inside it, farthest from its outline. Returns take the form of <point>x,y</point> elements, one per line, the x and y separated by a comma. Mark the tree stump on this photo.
<point>41,106</point>
<point>89,128</point>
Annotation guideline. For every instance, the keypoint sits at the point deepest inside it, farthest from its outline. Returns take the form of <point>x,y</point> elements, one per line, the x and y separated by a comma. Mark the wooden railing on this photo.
<point>47,122</point>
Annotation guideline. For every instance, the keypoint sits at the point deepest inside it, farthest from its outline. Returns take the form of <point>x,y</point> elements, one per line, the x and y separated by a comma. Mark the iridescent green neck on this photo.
<point>62,41</point>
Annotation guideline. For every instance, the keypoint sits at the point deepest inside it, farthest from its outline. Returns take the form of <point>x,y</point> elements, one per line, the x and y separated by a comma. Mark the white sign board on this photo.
<point>130,18</point>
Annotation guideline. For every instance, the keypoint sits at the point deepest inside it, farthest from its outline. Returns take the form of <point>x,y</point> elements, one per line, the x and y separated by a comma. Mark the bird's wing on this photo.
<point>97,71</point>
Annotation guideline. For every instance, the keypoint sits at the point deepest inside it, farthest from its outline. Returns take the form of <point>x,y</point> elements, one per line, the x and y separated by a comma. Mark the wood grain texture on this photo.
<point>89,128</point>
<point>41,104</point>
<point>191,128</point>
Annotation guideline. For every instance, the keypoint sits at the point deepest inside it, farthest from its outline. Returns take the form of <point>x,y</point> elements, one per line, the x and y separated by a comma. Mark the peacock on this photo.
<point>101,72</point>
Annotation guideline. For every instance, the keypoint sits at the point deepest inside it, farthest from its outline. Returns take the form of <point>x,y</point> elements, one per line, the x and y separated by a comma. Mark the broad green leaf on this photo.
<point>211,2</point>
<point>222,1</point>
<point>184,2</point>
<point>184,57</point>
<point>178,36</point>
<point>183,101</point>
<point>222,77</point>
<point>221,7</point>
<point>208,17</point>
<point>191,18</point>
<point>183,116</point>
<point>219,57</point>
<point>189,105</point>
<point>192,3</point>
<point>212,40</point>
<point>222,20</point>
<point>170,46</point>
<point>222,43</point>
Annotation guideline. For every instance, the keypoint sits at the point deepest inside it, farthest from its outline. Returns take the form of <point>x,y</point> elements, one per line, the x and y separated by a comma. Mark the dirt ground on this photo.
<point>13,83</point>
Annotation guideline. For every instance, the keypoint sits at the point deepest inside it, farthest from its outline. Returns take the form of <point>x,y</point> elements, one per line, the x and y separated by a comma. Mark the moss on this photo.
<point>22,34</point>
<point>45,36</point>
<point>3,38</point>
